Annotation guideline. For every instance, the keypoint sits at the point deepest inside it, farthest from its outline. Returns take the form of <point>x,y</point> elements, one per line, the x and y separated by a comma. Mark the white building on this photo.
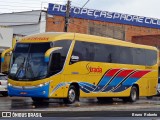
<point>25,23</point>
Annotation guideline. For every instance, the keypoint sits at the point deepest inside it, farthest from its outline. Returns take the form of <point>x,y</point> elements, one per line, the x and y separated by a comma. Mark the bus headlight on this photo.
<point>41,85</point>
<point>9,84</point>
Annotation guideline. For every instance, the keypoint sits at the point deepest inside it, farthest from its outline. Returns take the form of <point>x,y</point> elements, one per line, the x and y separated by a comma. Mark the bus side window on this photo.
<point>151,57</point>
<point>126,55</point>
<point>77,52</point>
<point>115,54</point>
<point>138,56</point>
<point>102,53</point>
<point>55,63</point>
<point>84,51</point>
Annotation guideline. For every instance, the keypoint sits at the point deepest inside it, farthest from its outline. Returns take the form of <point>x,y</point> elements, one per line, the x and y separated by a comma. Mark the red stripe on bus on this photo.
<point>139,74</point>
<point>112,72</point>
<point>124,73</point>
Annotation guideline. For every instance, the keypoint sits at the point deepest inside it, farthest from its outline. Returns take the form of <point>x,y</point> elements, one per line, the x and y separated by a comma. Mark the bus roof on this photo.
<point>52,36</point>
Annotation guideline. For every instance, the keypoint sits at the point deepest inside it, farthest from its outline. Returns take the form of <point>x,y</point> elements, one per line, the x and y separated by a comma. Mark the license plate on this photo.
<point>23,93</point>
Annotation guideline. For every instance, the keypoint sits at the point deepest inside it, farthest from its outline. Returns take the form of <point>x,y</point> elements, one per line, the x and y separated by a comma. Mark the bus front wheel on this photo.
<point>72,95</point>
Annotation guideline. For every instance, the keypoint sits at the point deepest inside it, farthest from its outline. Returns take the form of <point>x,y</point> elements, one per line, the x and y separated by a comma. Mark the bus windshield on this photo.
<point>28,61</point>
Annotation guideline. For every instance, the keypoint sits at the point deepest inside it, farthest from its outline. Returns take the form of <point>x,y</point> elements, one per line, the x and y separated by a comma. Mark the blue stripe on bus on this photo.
<point>126,84</point>
<point>113,83</point>
<point>102,83</point>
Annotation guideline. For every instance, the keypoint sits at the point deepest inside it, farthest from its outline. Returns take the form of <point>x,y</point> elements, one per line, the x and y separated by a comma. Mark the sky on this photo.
<point>147,8</point>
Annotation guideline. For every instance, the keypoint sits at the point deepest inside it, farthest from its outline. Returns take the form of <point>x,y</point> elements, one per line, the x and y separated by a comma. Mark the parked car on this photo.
<point>3,84</point>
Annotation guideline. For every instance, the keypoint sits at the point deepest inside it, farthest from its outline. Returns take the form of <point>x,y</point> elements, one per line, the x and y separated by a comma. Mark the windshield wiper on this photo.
<point>21,66</point>
<point>30,69</point>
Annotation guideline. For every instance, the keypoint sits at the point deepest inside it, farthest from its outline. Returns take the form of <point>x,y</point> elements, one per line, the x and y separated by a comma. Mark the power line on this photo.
<point>76,3</point>
<point>81,8</point>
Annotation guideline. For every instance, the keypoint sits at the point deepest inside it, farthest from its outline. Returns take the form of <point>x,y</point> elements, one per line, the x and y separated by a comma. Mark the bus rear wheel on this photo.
<point>72,95</point>
<point>133,95</point>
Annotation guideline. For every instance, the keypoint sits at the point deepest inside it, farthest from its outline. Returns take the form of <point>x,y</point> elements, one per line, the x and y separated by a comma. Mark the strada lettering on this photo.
<point>93,69</point>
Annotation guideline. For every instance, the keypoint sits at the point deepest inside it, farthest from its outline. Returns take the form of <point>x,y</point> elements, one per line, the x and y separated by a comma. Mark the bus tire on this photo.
<point>72,95</point>
<point>133,94</point>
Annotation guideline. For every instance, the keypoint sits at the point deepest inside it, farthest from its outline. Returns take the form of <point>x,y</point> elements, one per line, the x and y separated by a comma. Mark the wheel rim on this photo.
<point>134,95</point>
<point>72,95</point>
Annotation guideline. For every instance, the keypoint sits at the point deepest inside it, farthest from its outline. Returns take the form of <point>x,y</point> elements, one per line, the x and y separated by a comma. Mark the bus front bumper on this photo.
<point>29,91</point>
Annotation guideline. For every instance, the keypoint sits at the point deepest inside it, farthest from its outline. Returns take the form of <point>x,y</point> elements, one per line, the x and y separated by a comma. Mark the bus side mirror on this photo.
<point>74,58</point>
<point>5,59</point>
<point>4,53</point>
<point>49,52</point>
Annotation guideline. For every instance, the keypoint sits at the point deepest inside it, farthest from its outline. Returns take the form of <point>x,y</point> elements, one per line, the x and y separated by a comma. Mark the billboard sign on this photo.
<point>91,14</point>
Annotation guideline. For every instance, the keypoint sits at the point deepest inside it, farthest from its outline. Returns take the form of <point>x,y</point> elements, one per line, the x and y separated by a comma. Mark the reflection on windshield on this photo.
<point>36,66</point>
<point>28,61</point>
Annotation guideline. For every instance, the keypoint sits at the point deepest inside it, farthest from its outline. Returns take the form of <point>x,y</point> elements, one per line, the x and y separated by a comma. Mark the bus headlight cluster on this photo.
<point>9,84</point>
<point>41,85</point>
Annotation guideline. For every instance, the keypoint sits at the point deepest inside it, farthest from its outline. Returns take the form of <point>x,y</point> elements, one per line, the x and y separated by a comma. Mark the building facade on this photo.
<point>25,23</point>
<point>108,24</point>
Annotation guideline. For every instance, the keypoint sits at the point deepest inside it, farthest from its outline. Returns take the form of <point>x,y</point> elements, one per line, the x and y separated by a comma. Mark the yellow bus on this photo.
<point>72,65</point>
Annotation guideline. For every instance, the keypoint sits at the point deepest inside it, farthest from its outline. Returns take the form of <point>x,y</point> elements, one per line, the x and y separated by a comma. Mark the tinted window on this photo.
<point>102,53</point>
<point>85,51</point>
<point>113,54</point>
<point>65,44</point>
<point>58,57</point>
<point>138,56</point>
<point>125,55</point>
<point>33,48</point>
<point>151,57</point>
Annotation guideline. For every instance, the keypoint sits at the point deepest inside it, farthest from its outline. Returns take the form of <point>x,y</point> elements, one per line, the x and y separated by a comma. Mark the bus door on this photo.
<point>76,70</point>
<point>83,67</point>
<point>98,67</point>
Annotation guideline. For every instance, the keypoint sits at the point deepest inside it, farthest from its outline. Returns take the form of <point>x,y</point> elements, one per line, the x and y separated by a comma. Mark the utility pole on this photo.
<point>67,17</point>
